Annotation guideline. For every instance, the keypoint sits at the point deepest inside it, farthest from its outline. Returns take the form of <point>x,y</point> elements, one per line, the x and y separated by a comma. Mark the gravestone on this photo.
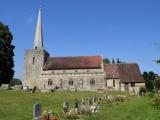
<point>76,105</point>
<point>83,106</point>
<point>18,87</point>
<point>66,107</point>
<point>25,88</point>
<point>5,86</point>
<point>34,89</point>
<point>94,99</point>
<point>37,111</point>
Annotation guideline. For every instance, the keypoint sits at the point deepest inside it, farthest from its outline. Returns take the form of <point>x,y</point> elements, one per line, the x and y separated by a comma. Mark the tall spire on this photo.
<point>38,40</point>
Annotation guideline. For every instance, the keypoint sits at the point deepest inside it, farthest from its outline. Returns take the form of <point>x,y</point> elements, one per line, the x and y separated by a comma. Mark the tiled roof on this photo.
<point>80,62</point>
<point>130,73</point>
<point>111,71</point>
<point>125,72</point>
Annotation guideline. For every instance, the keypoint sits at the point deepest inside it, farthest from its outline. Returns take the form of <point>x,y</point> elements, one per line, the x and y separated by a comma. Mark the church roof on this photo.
<point>125,72</point>
<point>80,62</point>
<point>111,70</point>
<point>130,73</point>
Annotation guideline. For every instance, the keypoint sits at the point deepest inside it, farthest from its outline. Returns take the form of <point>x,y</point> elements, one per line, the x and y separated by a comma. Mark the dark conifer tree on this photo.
<point>6,55</point>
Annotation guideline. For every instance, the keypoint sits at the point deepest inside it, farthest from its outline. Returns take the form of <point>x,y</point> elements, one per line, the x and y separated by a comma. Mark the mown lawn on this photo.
<point>18,105</point>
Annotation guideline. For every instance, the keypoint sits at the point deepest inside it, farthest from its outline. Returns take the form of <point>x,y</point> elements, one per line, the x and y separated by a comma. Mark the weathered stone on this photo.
<point>5,86</point>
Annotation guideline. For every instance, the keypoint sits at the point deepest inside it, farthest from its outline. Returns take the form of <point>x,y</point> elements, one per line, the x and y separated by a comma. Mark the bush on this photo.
<point>156,101</point>
<point>151,94</point>
<point>15,81</point>
<point>157,84</point>
<point>142,91</point>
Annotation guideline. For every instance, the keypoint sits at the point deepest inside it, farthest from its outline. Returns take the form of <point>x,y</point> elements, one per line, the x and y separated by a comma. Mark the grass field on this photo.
<point>18,105</point>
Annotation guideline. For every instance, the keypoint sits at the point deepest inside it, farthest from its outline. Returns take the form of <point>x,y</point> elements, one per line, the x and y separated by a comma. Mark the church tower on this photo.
<point>34,59</point>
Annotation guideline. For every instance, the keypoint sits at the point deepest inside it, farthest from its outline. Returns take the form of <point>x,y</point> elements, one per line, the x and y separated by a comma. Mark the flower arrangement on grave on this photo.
<point>48,115</point>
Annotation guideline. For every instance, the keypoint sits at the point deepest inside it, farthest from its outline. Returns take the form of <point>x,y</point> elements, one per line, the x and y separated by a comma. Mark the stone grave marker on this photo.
<point>83,106</point>
<point>34,89</point>
<point>5,86</point>
<point>18,87</point>
<point>37,111</point>
<point>66,106</point>
<point>25,88</point>
<point>76,105</point>
<point>94,99</point>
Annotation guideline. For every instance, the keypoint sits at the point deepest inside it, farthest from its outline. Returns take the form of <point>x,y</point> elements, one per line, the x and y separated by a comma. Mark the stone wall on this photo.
<point>81,79</point>
<point>33,65</point>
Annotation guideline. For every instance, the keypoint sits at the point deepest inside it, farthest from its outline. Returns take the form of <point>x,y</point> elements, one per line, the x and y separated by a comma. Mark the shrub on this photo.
<point>15,81</point>
<point>142,91</point>
<point>151,94</point>
<point>156,101</point>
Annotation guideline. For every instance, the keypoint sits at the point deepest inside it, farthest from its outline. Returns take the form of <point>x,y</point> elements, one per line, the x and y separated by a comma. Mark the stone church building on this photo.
<point>87,73</point>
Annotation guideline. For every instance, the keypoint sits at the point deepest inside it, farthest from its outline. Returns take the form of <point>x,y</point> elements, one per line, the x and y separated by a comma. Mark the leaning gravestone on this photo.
<point>34,89</point>
<point>37,111</point>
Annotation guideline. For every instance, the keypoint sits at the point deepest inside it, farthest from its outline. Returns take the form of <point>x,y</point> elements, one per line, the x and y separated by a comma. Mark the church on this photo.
<point>83,73</point>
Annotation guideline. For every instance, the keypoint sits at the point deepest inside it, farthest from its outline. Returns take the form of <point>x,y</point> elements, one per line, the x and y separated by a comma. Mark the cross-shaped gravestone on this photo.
<point>37,111</point>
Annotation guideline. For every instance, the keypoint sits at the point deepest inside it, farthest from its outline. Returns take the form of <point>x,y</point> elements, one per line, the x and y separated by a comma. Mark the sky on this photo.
<point>124,29</point>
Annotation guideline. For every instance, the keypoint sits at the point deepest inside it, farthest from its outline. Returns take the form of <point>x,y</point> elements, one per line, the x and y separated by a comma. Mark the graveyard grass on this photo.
<point>18,105</point>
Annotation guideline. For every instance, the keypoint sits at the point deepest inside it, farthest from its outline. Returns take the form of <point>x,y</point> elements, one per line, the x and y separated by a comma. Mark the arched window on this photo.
<point>92,82</point>
<point>113,82</point>
<point>49,82</point>
<point>70,82</point>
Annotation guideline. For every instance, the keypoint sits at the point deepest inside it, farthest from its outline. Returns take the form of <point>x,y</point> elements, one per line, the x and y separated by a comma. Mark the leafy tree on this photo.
<point>149,85</point>
<point>145,76</point>
<point>113,62</point>
<point>15,81</point>
<point>118,61</point>
<point>152,75</point>
<point>158,61</point>
<point>149,80</point>
<point>106,61</point>
<point>6,55</point>
<point>157,84</point>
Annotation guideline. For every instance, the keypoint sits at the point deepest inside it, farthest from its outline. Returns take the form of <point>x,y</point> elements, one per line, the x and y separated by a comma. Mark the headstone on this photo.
<point>83,106</point>
<point>94,99</point>
<point>76,105</point>
<point>37,111</point>
<point>34,89</point>
<point>4,86</point>
<point>18,87</point>
<point>25,88</point>
<point>66,107</point>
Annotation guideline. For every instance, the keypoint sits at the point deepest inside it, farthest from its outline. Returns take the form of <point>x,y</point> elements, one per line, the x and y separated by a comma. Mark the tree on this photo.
<point>149,85</point>
<point>118,61</point>
<point>157,83</point>
<point>157,61</point>
<point>149,80</point>
<point>113,62</point>
<point>152,75</point>
<point>15,81</point>
<point>106,61</point>
<point>6,55</point>
<point>145,76</point>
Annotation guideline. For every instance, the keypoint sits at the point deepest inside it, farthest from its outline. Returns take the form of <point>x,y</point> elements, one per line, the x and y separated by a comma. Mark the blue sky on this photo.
<point>124,29</point>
